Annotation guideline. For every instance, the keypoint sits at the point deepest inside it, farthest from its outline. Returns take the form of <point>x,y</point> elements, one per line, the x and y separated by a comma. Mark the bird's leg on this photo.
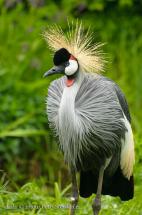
<point>97,201</point>
<point>75,194</point>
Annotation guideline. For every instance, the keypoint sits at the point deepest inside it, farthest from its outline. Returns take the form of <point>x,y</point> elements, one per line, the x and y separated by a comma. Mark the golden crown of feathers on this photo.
<point>79,43</point>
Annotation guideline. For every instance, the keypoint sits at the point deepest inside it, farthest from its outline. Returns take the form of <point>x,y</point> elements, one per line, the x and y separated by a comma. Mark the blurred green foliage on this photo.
<point>27,147</point>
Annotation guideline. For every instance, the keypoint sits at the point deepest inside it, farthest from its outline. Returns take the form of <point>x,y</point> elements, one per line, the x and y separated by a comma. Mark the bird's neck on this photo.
<point>67,105</point>
<point>69,127</point>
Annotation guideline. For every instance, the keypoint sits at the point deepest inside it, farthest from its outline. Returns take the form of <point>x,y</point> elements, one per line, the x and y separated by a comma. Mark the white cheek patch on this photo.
<point>72,68</point>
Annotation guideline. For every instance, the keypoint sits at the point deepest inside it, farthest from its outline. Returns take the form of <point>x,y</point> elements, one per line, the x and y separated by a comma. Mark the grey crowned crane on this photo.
<point>90,118</point>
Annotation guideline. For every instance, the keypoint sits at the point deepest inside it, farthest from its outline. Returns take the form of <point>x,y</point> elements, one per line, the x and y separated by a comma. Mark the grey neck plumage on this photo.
<point>69,122</point>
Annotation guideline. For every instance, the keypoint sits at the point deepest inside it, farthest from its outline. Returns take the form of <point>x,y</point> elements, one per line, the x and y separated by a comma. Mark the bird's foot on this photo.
<point>74,201</point>
<point>96,206</point>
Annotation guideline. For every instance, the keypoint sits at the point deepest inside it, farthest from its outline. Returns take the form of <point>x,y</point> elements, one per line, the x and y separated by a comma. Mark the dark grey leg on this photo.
<point>97,201</point>
<point>75,194</point>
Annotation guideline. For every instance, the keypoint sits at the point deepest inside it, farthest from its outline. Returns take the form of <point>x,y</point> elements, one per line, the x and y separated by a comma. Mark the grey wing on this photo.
<point>129,143</point>
<point>123,102</point>
<point>121,98</point>
<point>127,152</point>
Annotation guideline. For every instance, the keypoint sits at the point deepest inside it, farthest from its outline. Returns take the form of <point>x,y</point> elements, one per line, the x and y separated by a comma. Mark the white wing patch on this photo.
<point>127,152</point>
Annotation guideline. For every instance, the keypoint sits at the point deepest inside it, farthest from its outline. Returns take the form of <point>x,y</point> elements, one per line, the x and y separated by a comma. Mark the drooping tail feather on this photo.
<point>117,185</point>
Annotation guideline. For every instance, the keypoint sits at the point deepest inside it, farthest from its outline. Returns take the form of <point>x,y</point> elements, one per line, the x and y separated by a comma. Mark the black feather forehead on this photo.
<point>61,56</point>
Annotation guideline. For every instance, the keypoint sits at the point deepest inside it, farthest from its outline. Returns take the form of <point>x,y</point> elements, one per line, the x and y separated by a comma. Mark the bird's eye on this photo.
<point>67,64</point>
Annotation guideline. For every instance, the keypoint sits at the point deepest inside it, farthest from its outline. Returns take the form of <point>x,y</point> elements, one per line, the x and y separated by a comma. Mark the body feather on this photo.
<point>89,122</point>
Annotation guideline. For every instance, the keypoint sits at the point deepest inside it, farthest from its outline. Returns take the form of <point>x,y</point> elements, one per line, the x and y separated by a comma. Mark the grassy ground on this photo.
<point>33,198</point>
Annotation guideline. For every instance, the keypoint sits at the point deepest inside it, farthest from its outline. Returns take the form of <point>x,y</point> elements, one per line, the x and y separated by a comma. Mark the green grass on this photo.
<point>34,198</point>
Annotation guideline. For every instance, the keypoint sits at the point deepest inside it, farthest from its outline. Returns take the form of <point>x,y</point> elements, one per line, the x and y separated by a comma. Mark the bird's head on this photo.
<point>74,52</point>
<point>64,63</point>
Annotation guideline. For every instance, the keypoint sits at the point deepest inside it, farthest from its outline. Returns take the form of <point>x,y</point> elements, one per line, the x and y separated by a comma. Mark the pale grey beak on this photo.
<point>55,70</point>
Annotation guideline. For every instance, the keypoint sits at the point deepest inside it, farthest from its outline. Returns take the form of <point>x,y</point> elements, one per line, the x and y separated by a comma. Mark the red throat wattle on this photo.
<point>69,82</point>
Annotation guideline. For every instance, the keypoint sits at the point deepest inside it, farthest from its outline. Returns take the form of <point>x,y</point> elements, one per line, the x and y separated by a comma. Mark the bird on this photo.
<point>90,117</point>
